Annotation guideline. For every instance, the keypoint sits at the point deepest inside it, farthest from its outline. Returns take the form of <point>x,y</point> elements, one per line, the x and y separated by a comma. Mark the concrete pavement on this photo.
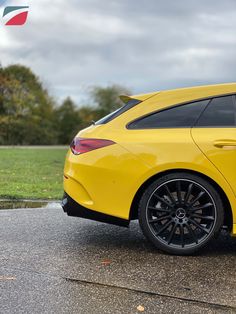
<point>52,263</point>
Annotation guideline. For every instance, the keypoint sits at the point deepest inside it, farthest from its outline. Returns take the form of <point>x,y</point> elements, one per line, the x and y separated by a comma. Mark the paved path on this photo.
<point>51,263</point>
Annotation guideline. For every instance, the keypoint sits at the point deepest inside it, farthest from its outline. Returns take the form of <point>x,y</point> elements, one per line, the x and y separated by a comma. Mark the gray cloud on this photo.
<point>144,45</point>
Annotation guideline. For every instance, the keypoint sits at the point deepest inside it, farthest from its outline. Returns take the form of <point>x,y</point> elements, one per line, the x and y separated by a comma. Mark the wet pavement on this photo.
<point>52,263</point>
<point>17,204</point>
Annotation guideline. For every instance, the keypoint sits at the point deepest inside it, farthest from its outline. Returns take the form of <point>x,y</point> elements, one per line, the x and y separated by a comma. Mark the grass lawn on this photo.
<point>31,173</point>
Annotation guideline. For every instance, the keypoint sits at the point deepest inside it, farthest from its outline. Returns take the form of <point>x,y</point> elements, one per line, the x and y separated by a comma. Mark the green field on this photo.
<point>31,173</point>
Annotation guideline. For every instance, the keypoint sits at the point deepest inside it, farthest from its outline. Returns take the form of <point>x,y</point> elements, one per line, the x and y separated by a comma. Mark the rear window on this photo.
<point>130,104</point>
<point>182,116</point>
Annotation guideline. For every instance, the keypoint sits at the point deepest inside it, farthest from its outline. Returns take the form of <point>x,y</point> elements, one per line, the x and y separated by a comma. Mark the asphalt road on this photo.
<point>51,263</point>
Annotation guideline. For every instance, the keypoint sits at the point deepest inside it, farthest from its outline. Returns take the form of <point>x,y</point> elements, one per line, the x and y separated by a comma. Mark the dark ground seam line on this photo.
<point>157,294</point>
<point>88,282</point>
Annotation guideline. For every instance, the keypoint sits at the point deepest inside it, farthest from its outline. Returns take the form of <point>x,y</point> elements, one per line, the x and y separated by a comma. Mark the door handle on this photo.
<point>225,144</point>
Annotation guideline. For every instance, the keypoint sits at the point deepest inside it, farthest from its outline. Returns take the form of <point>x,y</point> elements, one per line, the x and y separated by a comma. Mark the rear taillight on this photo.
<point>84,145</point>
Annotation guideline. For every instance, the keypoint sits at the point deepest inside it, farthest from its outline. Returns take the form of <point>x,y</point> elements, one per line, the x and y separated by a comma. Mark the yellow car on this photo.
<point>166,158</point>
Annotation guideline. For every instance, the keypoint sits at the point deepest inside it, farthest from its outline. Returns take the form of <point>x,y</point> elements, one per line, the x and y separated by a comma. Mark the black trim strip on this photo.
<point>72,208</point>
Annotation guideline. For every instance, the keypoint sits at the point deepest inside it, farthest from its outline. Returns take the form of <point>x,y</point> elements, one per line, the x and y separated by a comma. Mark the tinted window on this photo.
<point>130,104</point>
<point>177,117</point>
<point>219,113</point>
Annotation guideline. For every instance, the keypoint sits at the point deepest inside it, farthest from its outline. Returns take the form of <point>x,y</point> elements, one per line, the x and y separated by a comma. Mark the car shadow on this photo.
<point>108,236</point>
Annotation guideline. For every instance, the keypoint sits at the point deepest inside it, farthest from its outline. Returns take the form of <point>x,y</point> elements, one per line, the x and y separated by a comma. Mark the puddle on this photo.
<point>14,204</point>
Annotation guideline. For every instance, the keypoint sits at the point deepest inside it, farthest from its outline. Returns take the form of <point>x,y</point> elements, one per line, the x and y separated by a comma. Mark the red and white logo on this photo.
<point>15,15</point>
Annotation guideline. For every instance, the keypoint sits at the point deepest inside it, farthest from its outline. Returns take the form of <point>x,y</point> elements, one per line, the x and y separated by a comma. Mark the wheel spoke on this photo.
<point>159,209</point>
<point>203,217</point>
<point>201,207</point>
<point>181,228</point>
<point>179,192</point>
<point>197,198</point>
<point>162,200</point>
<point>165,226</point>
<point>170,194</point>
<point>172,233</point>
<point>164,217</point>
<point>191,231</point>
<point>188,193</point>
<point>199,226</point>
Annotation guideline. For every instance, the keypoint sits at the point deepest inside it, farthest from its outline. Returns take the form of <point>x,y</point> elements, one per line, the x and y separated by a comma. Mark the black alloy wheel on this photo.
<point>180,213</point>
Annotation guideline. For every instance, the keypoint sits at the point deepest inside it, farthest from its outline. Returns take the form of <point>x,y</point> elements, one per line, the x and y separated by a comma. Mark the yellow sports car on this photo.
<point>166,158</point>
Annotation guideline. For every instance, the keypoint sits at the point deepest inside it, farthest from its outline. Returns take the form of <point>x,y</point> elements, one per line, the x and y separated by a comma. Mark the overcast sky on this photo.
<point>145,45</point>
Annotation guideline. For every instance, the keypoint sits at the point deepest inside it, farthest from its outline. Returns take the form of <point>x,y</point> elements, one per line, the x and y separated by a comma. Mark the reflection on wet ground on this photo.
<point>17,204</point>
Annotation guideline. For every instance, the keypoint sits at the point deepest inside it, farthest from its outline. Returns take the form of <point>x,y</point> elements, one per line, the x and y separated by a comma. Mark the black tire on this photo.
<point>180,213</point>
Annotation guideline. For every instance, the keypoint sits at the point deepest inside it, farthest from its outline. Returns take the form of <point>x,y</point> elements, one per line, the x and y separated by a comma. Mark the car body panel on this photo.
<point>108,175</point>
<point>219,146</point>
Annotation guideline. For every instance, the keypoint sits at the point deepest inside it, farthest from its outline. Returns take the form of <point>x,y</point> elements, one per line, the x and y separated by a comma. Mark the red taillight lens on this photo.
<point>84,145</point>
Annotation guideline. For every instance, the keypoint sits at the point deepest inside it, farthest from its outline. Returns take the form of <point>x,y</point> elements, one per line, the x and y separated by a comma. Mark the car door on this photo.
<point>215,135</point>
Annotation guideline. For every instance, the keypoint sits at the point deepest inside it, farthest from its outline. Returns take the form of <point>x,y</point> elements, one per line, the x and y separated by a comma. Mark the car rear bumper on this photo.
<point>72,208</point>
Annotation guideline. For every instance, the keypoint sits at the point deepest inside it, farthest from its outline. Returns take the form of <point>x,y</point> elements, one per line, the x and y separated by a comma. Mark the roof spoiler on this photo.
<point>137,98</point>
<point>126,99</point>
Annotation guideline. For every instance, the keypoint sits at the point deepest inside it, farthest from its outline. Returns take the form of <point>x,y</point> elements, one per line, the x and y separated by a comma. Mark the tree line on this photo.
<point>30,116</point>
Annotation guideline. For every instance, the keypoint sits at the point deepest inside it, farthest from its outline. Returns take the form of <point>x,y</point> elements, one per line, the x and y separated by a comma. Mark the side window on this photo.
<point>219,113</point>
<point>183,116</point>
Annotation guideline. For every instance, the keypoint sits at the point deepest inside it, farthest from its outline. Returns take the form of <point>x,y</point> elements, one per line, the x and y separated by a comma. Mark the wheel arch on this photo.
<point>228,220</point>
